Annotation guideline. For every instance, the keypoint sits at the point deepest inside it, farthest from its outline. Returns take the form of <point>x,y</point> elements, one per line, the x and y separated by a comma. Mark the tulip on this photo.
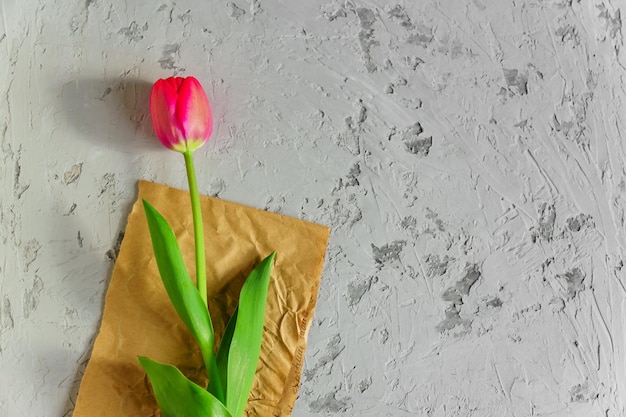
<point>181,118</point>
<point>180,113</point>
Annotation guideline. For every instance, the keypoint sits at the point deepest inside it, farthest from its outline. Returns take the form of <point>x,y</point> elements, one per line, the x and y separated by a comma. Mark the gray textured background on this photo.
<point>467,155</point>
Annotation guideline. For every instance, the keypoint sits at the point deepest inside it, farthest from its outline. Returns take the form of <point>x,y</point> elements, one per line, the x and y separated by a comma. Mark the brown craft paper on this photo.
<point>139,319</point>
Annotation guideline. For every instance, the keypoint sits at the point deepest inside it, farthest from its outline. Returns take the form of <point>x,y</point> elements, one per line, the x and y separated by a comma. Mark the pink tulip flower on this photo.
<point>181,115</point>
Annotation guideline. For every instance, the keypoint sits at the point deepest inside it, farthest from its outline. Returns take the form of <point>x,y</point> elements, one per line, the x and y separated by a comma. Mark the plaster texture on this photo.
<point>468,156</point>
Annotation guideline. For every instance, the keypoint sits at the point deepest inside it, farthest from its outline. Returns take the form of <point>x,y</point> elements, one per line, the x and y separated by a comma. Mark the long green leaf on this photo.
<point>222,352</point>
<point>177,396</point>
<point>183,293</point>
<point>245,347</point>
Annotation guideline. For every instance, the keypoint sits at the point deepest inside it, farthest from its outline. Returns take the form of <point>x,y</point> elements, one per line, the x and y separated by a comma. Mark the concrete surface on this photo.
<point>467,154</point>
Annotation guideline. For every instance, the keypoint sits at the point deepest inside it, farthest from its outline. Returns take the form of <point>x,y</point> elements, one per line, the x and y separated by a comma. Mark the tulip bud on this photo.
<point>180,112</point>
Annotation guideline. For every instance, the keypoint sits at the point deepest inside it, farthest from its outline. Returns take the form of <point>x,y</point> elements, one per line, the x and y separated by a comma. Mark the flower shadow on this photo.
<point>111,113</point>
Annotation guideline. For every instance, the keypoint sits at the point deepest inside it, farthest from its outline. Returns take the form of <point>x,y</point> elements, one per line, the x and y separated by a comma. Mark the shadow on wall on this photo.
<point>111,113</point>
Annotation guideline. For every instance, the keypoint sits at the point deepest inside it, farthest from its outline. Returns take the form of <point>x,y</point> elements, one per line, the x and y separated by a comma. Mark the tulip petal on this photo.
<point>176,82</point>
<point>193,111</point>
<point>163,99</point>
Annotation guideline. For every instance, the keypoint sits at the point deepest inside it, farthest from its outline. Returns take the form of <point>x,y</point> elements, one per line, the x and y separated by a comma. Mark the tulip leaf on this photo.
<point>222,352</point>
<point>245,347</point>
<point>177,396</point>
<point>183,293</point>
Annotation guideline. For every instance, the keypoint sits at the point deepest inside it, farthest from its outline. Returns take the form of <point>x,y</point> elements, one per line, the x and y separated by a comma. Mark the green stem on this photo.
<point>215,382</point>
<point>197,226</point>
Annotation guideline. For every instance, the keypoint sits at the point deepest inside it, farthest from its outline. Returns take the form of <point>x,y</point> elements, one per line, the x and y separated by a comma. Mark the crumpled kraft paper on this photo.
<point>139,319</point>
